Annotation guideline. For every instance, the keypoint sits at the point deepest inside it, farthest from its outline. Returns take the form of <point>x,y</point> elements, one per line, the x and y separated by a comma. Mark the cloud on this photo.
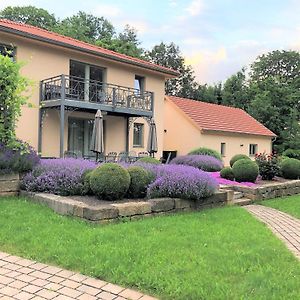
<point>173,3</point>
<point>5,3</point>
<point>107,10</point>
<point>195,8</point>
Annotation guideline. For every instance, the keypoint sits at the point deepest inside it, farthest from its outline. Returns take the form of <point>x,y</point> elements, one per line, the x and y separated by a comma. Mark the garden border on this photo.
<point>9,184</point>
<point>105,213</point>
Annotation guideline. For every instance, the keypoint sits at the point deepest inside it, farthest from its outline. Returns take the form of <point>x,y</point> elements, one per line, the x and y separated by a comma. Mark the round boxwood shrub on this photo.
<point>245,170</point>
<point>238,157</point>
<point>206,151</point>
<point>227,173</point>
<point>139,181</point>
<point>290,168</point>
<point>110,181</point>
<point>292,153</point>
<point>86,186</point>
<point>149,160</point>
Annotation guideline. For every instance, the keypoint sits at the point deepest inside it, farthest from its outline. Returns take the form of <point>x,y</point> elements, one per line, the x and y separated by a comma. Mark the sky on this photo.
<point>216,37</point>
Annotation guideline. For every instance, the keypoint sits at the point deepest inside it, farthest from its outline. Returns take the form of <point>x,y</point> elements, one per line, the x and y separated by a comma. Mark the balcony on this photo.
<point>78,93</point>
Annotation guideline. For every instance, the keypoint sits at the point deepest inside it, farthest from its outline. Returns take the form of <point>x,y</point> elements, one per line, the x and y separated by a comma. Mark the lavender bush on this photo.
<point>202,162</point>
<point>58,176</point>
<point>181,182</point>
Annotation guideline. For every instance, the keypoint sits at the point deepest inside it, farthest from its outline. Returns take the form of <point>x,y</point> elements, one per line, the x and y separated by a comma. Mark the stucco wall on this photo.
<point>42,61</point>
<point>182,136</point>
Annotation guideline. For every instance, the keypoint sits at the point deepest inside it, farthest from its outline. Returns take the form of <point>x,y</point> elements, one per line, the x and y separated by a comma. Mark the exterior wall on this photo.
<point>43,60</point>
<point>182,136</point>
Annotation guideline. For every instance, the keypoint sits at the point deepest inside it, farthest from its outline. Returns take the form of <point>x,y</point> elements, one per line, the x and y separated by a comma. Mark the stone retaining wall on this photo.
<point>103,213</point>
<point>271,190</point>
<point>9,184</point>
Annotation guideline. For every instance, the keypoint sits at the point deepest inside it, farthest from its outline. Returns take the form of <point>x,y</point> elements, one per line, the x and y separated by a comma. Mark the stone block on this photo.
<point>8,177</point>
<point>9,186</point>
<point>133,208</point>
<point>162,204</point>
<point>100,213</point>
<point>183,203</point>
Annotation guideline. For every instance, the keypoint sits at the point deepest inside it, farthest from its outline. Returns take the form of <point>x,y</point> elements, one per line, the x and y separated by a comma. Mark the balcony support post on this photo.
<point>127,130</point>
<point>62,116</point>
<point>40,128</point>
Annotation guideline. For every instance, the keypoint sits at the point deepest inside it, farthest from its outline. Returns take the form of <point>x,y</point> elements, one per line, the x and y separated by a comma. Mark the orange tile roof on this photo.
<point>58,39</point>
<point>215,117</point>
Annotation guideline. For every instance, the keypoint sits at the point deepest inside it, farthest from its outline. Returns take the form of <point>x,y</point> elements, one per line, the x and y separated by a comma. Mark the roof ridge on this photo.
<point>107,51</point>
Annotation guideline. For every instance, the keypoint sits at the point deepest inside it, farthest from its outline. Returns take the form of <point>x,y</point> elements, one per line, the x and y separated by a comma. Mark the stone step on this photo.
<point>242,201</point>
<point>237,195</point>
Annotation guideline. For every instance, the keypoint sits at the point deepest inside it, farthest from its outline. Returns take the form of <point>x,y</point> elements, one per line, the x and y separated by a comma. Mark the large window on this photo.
<point>7,51</point>
<point>223,149</point>
<point>252,149</point>
<point>79,136</point>
<point>139,83</point>
<point>138,135</point>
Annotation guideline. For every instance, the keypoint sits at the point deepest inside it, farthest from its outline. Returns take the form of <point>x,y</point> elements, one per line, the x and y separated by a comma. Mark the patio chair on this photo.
<point>132,157</point>
<point>123,156</point>
<point>111,157</point>
<point>143,154</point>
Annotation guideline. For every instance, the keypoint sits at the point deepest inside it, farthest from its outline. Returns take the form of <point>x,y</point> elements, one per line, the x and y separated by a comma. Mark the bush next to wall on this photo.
<point>206,151</point>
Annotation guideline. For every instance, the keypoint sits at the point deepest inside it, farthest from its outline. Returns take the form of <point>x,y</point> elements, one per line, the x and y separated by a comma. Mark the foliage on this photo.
<point>245,170</point>
<point>29,15</point>
<point>12,86</point>
<point>237,157</point>
<point>20,160</point>
<point>169,55</point>
<point>268,165</point>
<point>290,168</point>
<point>227,173</point>
<point>86,185</point>
<point>110,181</point>
<point>292,153</point>
<point>149,160</point>
<point>206,151</point>
<point>202,162</point>
<point>182,182</point>
<point>58,176</point>
<point>139,181</point>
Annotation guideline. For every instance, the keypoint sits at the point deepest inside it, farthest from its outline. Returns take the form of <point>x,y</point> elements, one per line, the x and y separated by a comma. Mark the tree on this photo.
<point>30,15</point>
<point>235,91</point>
<point>209,93</point>
<point>86,27</point>
<point>169,55</point>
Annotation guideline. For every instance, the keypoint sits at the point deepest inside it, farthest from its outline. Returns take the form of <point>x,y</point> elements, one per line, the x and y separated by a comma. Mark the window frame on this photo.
<point>141,144</point>
<point>141,80</point>
<point>223,149</point>
<point>253,147</point>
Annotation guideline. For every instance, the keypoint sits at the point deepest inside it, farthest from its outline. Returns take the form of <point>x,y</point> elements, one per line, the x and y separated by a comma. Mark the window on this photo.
<point>252,149</point>
<point>139,83</point>
<point>138,135</point>
<point>223,149</point>
<point>7,51</point>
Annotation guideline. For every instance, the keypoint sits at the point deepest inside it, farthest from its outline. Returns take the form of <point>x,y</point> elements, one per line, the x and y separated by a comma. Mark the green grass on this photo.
<point>222,253</point>
<point>290,205</point>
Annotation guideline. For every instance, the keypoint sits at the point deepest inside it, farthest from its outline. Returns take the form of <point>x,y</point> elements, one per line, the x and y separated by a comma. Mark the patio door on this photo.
<point>79,136</point>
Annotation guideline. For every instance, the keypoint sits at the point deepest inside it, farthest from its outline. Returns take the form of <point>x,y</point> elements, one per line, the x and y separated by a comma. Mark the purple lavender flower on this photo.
<point>202,162</point>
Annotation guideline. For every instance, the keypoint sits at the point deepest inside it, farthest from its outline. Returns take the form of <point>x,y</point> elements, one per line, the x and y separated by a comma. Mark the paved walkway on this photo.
<point>24,279</point>
<point>284,226</point>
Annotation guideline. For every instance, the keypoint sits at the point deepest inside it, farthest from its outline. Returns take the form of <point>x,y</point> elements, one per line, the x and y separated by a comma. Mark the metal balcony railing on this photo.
<point>65,87</point>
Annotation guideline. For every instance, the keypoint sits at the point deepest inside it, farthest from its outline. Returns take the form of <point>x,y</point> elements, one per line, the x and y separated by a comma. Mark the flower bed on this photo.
<point>220,180</point>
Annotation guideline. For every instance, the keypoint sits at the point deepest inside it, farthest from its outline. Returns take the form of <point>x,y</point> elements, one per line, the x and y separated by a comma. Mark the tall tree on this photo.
<point>29,15</point>
<point>169,55</point>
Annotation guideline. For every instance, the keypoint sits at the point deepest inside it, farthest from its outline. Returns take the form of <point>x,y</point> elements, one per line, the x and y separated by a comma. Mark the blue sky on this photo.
<point>217,37</point>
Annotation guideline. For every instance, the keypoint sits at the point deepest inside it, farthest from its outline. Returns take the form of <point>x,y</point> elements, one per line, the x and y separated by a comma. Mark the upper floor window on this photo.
<point>7,51</point>
<point>252,149</point>
<point>223,149</point>
<point>138,135</point>
<point>139,83</point>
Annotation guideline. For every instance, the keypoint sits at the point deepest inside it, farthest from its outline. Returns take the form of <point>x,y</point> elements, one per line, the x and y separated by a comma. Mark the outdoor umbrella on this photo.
<point>97,144</point>
<point>152,139</point>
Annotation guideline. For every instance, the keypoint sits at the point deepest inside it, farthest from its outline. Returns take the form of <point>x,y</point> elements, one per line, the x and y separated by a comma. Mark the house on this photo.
<point>71,80</point>
<point>190,124</point>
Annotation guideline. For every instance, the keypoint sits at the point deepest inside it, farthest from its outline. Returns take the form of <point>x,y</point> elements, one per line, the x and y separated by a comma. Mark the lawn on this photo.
<point>290,205</point>
<point>221,253</point>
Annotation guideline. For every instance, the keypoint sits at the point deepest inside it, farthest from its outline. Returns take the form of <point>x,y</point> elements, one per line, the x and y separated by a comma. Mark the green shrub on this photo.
<point>245,170</point>
<point>237,157</point>
<point>268,165</point>
<point>292,153</point>
<point>206,151</point>
<point>110,181</point>
<point>290,168</point>
<point>86,185</point>
<point>149,160</point>
<point>227,173</point>
<point>139,181</point>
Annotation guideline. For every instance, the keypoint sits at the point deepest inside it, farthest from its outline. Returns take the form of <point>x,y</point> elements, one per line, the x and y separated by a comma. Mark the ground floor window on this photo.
<point>223,149</point>
<point>79,136</point>
<point>252,149</point>
<point>138,135</point>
